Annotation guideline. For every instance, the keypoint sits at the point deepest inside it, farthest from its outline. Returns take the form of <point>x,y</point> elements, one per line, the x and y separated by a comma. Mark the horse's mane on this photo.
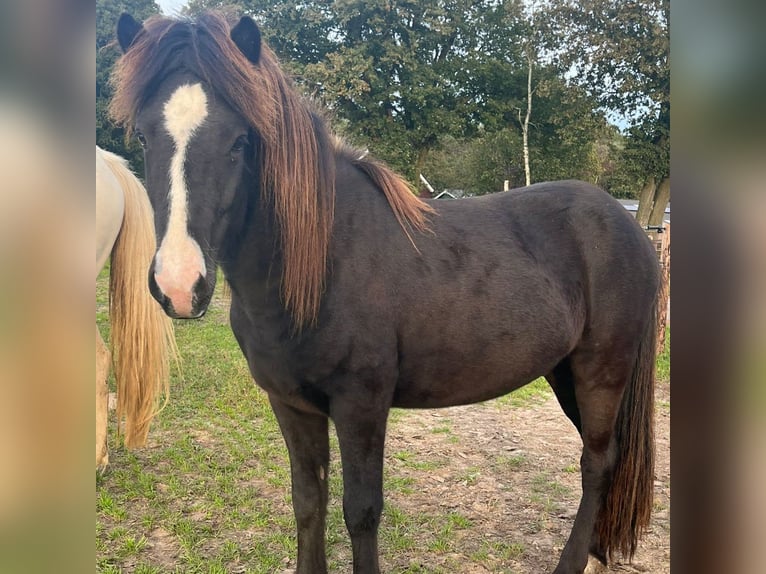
<point>297,152</point>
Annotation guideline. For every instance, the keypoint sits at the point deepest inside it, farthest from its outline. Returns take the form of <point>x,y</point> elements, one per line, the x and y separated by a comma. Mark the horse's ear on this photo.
<point>127,30</point>
<point>247,37</point>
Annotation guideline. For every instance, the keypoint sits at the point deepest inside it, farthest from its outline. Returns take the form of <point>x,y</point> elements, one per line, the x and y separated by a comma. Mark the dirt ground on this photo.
<point>514,474</point>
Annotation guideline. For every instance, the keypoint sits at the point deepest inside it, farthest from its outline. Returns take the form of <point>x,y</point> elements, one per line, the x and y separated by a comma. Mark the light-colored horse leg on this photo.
<point>103,360</point>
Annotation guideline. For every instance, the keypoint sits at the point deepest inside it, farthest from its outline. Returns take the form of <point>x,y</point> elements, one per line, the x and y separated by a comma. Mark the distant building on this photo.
<point>450,194</point>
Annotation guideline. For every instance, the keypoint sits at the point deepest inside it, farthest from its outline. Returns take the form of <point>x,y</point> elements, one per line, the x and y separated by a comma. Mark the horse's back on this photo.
<point>570,230</point>
<point>110,207</point>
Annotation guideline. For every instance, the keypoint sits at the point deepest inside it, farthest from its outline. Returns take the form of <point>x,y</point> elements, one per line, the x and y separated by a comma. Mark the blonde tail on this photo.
<point>142,338</point>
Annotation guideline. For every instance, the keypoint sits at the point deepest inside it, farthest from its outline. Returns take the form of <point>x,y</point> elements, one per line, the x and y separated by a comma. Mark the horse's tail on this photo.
<point>142,336</point>
<point>627,509</point>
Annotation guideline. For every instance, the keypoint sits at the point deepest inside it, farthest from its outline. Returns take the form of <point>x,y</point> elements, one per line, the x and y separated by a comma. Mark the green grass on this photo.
<point>510,463</point>
<point>546,495</point>
<point>531,394</point>
<point>469,476</point>
<point>543,484</point>
<point>504,550</point>
<point>663,360</point>
<point>444,429</point>
<point>409,460</point>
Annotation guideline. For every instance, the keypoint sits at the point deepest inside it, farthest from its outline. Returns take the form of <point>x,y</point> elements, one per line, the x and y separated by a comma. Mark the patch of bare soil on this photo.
<point>163,548</point>
<point>514,473</point>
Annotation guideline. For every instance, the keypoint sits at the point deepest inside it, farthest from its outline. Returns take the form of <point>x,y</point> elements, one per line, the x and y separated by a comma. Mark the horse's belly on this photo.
<point>450,393</point>
<point>444,381</point>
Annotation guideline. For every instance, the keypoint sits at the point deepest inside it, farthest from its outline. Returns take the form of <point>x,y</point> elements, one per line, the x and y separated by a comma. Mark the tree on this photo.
<point>559,133</point>
<point>392,71</point>
<point>109,135</point>
<point>394,75</point>
<point>619,51</point>
<point>478,165</point>
<point>567,139</point>
<point>301,33</point>
<point>528,116</point>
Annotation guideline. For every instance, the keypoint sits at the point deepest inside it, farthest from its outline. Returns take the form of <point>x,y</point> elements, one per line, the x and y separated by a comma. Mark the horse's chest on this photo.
<point>280,368</point>
<point>279,376</point>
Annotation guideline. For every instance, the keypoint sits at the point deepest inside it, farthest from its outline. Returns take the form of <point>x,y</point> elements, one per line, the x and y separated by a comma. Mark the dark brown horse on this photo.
<point>328,254</point>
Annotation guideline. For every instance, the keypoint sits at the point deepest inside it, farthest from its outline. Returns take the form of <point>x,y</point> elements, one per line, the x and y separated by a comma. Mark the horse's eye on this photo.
<point>141,139</point>
<point>239,144</point>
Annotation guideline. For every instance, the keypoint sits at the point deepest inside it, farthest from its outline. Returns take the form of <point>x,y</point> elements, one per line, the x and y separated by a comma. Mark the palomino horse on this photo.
<point>141,334</point>
<point>328,253</point>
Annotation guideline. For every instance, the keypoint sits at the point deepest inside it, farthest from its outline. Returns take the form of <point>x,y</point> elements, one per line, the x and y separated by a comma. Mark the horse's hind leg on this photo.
<point>561,381</point>
<point>598,392</point>
<point>307,441</point>
<point>102,401</point>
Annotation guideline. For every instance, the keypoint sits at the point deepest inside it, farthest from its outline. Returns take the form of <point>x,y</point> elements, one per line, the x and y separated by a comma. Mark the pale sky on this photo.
<point>170,7</point>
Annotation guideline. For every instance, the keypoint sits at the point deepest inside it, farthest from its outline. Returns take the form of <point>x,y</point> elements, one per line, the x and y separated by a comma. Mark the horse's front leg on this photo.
<point>308,444</point>
<point>361,428</point>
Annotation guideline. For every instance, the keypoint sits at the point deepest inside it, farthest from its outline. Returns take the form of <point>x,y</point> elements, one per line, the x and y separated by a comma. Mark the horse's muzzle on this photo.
<point>182,303</point>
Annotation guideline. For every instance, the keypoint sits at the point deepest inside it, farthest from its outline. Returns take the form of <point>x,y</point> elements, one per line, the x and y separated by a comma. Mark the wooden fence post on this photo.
<point>660,237</point>
<point>663,309</point>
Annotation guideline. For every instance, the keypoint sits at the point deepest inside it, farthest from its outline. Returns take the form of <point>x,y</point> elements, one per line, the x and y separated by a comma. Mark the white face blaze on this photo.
<point>179,261</point>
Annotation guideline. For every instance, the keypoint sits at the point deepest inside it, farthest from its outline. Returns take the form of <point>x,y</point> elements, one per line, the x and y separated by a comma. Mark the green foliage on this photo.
<point>395,73</point>
<point>392,76</point>
<point>109,135</point>
<point>476,166</point>
<point>629,73</point>
<point>619,52</point>
<point>568,141</point>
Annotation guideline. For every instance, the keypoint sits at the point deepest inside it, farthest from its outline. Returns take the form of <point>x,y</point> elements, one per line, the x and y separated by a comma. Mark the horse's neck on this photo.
<point>254,270</point>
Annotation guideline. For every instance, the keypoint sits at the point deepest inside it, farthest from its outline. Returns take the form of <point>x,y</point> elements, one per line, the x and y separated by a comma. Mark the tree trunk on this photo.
<point>646,201</point>
<point>525,126</point>
<point>661,199</point>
